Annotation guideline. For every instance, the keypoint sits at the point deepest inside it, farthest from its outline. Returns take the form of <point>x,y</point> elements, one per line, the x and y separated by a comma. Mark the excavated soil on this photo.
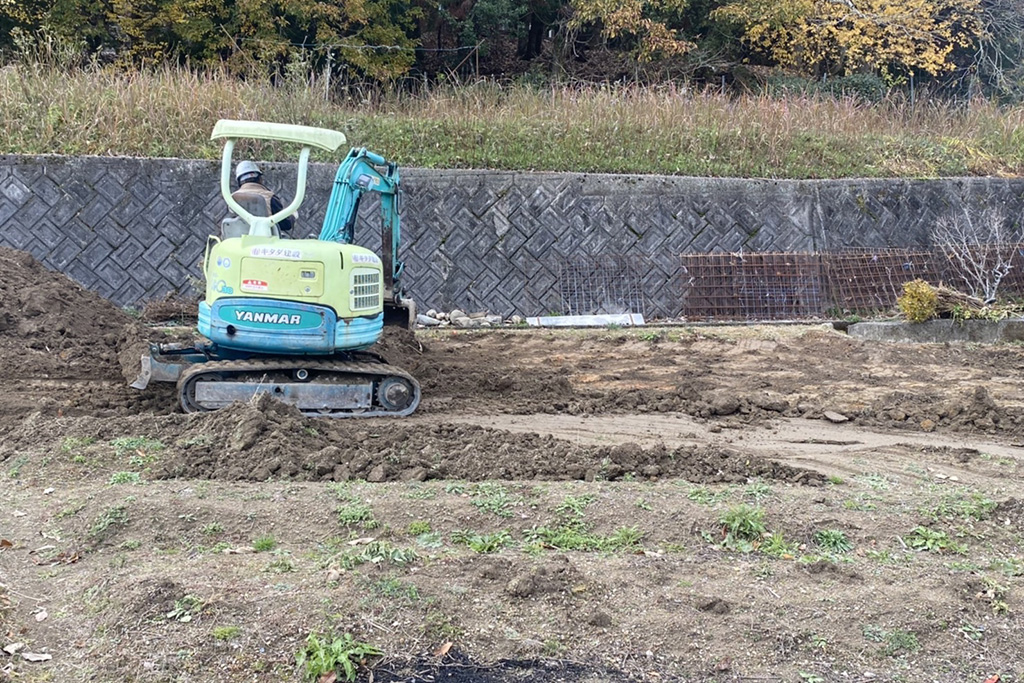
<point>657,504</point>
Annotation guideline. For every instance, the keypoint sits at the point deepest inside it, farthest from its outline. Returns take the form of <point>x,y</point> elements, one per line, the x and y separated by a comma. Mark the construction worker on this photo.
<point>255,197</point>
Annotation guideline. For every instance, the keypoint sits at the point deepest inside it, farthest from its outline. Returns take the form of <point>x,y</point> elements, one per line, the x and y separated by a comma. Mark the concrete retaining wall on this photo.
<point>134,229</point>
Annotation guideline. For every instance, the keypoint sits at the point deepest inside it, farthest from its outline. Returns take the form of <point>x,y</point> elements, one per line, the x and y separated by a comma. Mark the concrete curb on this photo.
<point>939,331</point>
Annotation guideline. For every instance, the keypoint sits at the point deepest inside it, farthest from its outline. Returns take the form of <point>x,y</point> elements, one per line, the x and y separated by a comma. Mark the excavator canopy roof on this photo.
<point>322,138</point>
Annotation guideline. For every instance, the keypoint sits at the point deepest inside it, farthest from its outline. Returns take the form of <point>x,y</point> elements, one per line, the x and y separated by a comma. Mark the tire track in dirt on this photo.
<point>833,449</point>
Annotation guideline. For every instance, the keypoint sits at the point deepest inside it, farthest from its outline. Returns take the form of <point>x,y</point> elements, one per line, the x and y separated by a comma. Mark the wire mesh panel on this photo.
<point>602,284</point>
<point>752,286</point>
<point>866,280</point>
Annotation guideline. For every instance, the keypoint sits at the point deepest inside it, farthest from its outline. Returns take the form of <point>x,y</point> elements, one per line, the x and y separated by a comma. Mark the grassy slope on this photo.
<point>592,129</point>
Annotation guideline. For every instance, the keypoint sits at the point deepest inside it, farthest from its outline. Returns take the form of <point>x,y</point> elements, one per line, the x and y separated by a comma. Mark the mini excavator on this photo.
<point>294,318</point>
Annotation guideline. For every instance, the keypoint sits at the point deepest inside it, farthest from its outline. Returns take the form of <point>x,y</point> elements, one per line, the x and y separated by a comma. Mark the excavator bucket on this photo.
<point>401,314</point>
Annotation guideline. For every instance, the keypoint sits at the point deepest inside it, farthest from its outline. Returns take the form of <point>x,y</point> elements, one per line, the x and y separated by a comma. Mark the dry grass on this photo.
<point>169,112</point>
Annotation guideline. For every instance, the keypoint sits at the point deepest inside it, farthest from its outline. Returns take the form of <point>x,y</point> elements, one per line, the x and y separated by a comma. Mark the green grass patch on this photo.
<point>264,544</point>
<point>606,128</point>
<point>574,534</point>
<point>110,519</point>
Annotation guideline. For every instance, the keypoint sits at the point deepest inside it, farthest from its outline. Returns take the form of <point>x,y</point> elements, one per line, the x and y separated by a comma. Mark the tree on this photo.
<point>648,27</point>
<point>845,36</point>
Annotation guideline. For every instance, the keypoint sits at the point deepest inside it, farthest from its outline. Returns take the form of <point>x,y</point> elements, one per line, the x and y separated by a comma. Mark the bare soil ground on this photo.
<point>657,504</point>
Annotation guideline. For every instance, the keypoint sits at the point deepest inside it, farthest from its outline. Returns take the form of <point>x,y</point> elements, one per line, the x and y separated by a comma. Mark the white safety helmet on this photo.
<point>247,172</point>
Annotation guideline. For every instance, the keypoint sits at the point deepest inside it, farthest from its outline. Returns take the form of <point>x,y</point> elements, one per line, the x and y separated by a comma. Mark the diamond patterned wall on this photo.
<point>134,229</point>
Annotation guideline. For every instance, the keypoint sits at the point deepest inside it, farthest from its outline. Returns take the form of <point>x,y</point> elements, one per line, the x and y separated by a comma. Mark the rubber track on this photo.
<point>228,369</point>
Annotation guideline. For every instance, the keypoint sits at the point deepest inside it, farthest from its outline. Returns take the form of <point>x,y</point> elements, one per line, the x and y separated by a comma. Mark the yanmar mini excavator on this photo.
<point>294,318</point>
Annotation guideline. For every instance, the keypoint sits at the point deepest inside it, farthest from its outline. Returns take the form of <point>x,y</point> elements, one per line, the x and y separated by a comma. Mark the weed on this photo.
<point>456,488</point>
<point>264,544</point>
<point>835,480</point>
<point>341,655</point>
<point>280,565</point>
<point>962,505</point>
<point>650,336</point>
<point>972,632</point>
<point>743,526</point>
<point>418,528</point>
<point>574,535</point>
<point>875,481</point>
<point>420,492</point>
<point>73,443</point>
<point>114,516</point>
<point>125,478</point>
<point>643,504</point>
<point>1009,567</point>
<point>212,529</point>
<point>139,446</point>
<point>757,490</point>
<point>131,544</point>
<point>860,504</point>
<point>376,553</point>
<point>962,566</point>
<point>900,641</point>
<point>995,594</point>
<point>185,608</point>
<point>393,587</point>
<point>430,540</point>
<point>71,510</point>
<point>439,626</point>
<point>225,632</point>
<point>575,505</point>
<point>705,496</point>
<point>483,543</point>
<point>811,677</point>
<point>357,513</point>
<point>929,540</point>
<point>777,546</point>
<point>493,498</point>
<point>16,466</point>
<point>832,540</point>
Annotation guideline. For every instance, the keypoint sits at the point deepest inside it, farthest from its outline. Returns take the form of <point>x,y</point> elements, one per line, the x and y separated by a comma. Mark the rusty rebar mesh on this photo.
<point>869,280</point>
<point>752,286</point>
<point>799,285</point>
<point>602,284</point>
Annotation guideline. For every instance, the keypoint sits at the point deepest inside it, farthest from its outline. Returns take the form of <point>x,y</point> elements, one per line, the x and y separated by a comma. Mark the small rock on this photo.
<point>494,319</point>
<point>413,474</point>
<point>377,474</point>
<point>521,586</point>
<point>835,417</point>
<point>456,313</point>
<point>432,313</point>
<point>725,405</point>
<point>928,425</point>
<point>333,576</point>
<point>463,322</point>
<point>427,321</point>
<point>516,320</point>
<point>600,619</point>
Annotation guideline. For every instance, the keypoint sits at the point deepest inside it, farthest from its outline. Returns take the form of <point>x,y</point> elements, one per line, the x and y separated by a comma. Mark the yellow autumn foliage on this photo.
<point>633,19</point>
<point>851,35</point>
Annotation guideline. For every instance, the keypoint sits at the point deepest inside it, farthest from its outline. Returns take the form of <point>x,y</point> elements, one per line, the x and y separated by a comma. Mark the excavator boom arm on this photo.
<point>363,171</point>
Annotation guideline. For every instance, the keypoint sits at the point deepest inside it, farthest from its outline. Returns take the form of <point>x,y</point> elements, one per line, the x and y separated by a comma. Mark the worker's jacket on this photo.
<point>260,201</point>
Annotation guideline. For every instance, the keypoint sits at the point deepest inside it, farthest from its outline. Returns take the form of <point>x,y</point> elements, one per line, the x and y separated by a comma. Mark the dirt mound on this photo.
<point>51,327</point>
<point>266,439</point>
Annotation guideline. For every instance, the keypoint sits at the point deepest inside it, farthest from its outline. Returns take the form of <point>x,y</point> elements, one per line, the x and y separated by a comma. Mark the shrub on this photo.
<point>919,301</point>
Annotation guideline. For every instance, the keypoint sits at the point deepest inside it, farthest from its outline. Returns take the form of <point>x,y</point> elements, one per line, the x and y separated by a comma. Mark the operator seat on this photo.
<point>256,204</point>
